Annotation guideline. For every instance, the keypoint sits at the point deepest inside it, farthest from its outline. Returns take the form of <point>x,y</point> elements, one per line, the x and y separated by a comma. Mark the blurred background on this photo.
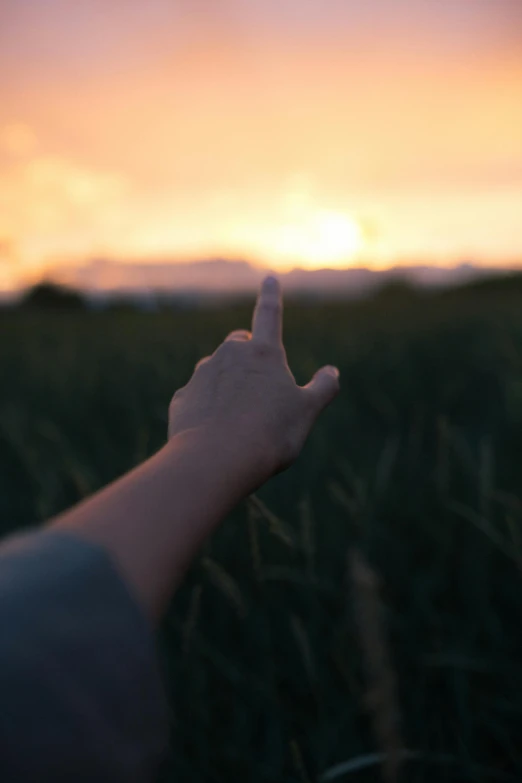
<point>360,618</point>
<point>285,133</point>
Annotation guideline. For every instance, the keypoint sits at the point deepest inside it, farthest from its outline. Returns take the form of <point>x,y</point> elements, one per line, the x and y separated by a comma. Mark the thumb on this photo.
<point>323,388</point>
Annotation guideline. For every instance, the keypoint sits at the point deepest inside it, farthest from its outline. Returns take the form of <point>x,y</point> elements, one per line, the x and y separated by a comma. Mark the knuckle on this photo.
<point>178,394</point>
<point>226,349</point>
<point>262,350</point>
<point>173,402</point>
<point>270,305</point>
<point>229,350</point>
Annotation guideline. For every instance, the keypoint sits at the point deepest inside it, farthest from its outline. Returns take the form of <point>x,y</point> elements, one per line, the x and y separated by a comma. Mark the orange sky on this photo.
<point>318,132</point>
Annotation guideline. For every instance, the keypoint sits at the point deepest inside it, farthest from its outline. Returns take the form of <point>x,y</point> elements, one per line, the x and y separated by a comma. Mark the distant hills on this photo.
<point>219,277</point>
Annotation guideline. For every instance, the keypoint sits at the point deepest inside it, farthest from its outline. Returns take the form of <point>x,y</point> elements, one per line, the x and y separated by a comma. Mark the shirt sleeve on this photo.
<point>81,696</point>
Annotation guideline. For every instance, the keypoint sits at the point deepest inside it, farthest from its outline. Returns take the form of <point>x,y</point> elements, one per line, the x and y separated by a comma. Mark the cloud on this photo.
<point>52,204</point>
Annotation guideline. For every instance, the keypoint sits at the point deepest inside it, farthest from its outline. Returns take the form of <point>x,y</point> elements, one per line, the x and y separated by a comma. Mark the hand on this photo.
<point>245,400</point>
<point>240,419</point>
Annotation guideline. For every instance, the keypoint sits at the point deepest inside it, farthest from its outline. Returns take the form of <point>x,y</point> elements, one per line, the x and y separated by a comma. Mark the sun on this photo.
<point>322,238</point>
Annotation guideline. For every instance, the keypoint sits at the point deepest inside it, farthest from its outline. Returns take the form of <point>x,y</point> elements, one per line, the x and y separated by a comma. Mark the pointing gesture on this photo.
<point>245,396</point>
<point>267,323</point>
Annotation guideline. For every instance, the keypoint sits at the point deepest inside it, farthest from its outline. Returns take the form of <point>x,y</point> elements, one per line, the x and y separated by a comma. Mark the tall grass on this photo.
<point>272,645</point>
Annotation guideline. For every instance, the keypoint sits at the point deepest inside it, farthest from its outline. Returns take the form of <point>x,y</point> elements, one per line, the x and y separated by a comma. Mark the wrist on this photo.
<point>222,464</point>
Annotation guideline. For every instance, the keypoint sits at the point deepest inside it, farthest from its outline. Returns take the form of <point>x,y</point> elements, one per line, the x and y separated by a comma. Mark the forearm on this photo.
<point>153,520</point>
<point>240,419</point>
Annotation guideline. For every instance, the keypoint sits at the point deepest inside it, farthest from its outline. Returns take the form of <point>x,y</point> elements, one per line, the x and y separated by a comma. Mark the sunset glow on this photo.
<point>323,133</point>
<point>324,239</point>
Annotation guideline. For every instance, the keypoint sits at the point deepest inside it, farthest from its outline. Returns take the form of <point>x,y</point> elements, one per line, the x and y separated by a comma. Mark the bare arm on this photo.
<point>240,419</point>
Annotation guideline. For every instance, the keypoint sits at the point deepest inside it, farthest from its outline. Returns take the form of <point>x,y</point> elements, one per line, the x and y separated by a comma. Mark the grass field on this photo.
<point>417,467</point>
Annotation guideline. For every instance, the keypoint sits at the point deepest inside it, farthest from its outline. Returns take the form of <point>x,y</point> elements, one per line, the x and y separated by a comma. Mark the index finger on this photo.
<point>267,323</point>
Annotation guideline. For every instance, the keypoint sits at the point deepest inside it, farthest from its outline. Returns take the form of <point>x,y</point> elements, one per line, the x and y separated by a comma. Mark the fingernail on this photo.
<point>271,281</point>
<point>333,370</point>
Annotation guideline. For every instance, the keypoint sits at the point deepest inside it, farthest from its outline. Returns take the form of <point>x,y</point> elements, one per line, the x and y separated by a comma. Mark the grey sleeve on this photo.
<point>81,697</point>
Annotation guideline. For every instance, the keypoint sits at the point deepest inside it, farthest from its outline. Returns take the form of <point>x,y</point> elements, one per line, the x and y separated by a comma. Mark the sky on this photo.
<point>308,133</point>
